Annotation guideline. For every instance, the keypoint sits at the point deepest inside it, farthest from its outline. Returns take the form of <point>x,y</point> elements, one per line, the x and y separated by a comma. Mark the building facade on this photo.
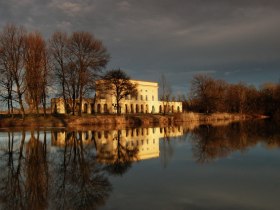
<point>146,101</point>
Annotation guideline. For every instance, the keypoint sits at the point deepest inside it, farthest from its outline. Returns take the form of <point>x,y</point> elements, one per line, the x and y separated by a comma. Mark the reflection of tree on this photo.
<point>73,180</point>
<point>36,173</point>
<point>210,143</point>
<point>122,160</point>
<point>12,183</point>
<point>80,181</point>
<point>166,149</point>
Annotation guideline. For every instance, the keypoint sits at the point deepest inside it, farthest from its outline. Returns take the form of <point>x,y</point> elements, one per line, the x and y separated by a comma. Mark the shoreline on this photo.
<point>120,121</point>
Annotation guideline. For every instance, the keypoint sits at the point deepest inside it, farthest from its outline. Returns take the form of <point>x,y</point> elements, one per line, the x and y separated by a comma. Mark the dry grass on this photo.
<point>191,116</point>
<point>117,120</point>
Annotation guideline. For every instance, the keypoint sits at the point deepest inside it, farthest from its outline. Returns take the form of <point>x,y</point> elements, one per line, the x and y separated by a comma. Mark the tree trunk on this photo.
<point>118,107</point>
<point>80,101</point>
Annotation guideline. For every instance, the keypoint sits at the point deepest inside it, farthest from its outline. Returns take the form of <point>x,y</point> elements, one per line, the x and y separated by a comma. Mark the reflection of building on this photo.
<point>145,140</point>
<point>145,102</point>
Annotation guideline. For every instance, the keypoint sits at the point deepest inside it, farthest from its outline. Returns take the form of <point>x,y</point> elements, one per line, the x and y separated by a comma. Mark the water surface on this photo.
<point>234,166</point>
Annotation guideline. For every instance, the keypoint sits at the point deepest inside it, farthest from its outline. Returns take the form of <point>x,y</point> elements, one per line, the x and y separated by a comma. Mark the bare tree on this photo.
<point>117,83</point>
<point>12,46</point>
<point>207,94</point>
<point>6,86</point>
<point>166,94</point>
<point>35,60</point>
<point>87,57</point>
<point>58,50</point>
<point>236,98</point>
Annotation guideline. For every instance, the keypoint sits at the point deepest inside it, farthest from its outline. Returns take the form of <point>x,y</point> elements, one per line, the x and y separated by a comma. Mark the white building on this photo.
<point>145,102</point>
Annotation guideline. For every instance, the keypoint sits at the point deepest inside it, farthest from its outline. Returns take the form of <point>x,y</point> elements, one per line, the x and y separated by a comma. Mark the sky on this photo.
<point>234,40</point>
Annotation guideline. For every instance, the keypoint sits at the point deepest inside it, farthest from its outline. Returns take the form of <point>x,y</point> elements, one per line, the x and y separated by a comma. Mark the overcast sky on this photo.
<point>235,40</point>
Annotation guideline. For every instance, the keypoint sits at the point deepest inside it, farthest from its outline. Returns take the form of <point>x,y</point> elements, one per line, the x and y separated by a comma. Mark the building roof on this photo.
<point>139,82</point>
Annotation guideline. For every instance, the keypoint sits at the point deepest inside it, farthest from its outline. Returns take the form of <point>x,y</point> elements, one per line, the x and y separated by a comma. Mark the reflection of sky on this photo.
<point>248,180</point>
<point>233,40</point>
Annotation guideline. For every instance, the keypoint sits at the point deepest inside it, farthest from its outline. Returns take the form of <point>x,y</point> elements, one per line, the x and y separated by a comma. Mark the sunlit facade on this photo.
<point>146,101</point>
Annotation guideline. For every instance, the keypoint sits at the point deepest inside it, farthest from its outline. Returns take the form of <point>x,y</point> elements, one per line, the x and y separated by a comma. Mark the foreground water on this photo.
<point>233,166</point>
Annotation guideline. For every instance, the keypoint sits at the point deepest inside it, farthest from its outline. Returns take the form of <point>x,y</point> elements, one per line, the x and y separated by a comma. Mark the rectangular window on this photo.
<point>153,98</point>
<point>146,98</point>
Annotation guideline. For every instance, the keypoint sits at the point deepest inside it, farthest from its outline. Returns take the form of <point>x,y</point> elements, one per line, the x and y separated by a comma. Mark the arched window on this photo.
<point>55,108</point>
<point>98,108</point>
<point>147,108</point>
<point>131,108</point>
<point>137,108</point>
<point>77,107</point>
<point>142,108</point>
<point>92,108</point>
<point>126,109</point>
<point>99,135</point>
<point>160,109</point>
<point>85,108</point>
<point>105,108</point>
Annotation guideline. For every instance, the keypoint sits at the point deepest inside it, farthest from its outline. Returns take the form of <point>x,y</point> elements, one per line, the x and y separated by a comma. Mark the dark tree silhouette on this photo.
<point>12,60</point>
<point>117,83</point>
<point>37,71</point>
<point>87,57</point>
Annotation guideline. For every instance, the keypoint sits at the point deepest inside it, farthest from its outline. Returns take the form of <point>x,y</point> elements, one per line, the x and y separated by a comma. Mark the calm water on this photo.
<point>235,166</point>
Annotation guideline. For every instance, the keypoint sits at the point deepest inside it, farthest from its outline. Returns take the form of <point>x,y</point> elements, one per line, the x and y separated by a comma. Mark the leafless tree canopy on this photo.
<point>36,67</point>
<point>12,63</point>
<point>78,60</point>
<point>117,83</point>
<point>27,61</point>
<point>208,95</point>
<point>166,93</point>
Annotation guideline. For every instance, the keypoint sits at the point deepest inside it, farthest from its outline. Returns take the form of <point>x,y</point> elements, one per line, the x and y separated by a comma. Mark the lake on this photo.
<point>218,166</point>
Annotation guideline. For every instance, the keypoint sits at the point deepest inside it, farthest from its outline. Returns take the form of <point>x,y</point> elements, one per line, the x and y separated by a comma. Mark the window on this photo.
<point>141,98</point>
<point>146,98</point>
<point>153,98</point>
<point>106,134</point>
<point>105,108</point>
<point>86,136</point>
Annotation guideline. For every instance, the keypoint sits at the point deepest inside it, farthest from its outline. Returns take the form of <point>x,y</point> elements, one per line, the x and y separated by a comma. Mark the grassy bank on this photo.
<point>116,120</point>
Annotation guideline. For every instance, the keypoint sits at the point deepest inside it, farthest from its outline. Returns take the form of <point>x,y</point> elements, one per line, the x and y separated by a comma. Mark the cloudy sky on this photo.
<point>235,40</point>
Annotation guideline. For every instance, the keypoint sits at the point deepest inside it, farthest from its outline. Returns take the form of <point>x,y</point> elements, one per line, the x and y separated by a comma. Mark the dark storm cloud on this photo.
<point>233,40</point>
